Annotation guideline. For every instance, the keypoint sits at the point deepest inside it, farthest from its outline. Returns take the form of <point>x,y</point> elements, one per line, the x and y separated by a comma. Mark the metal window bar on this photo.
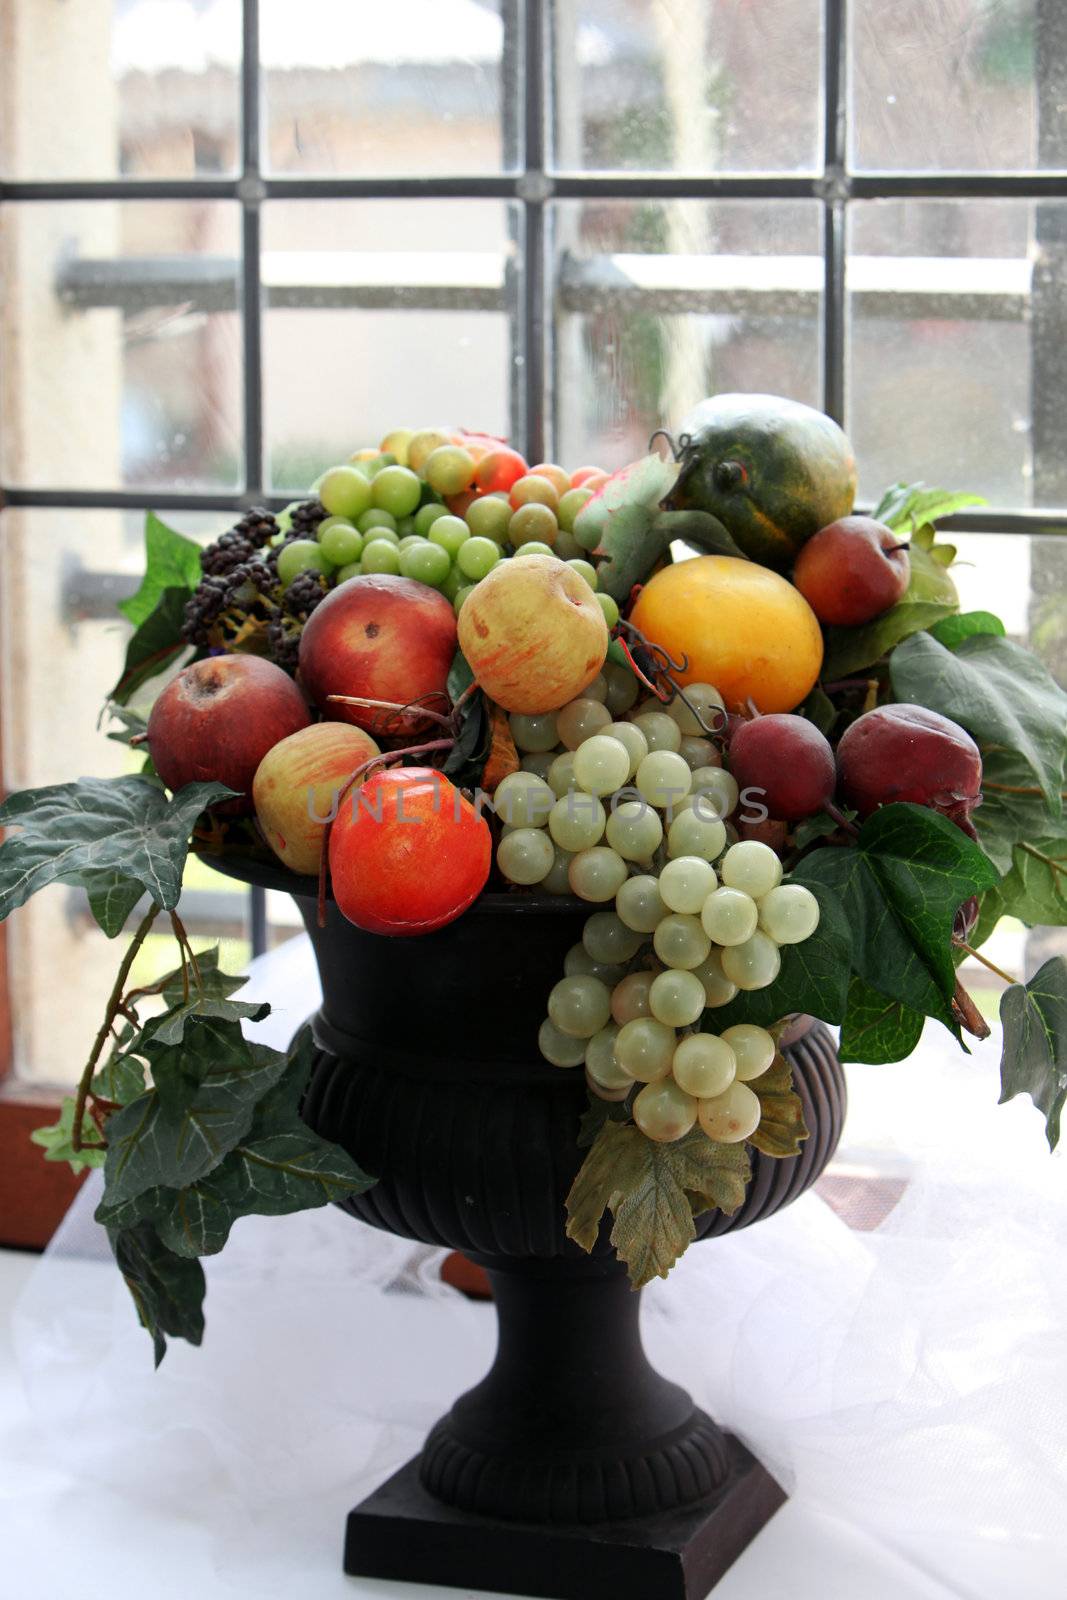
<point>527,82</point>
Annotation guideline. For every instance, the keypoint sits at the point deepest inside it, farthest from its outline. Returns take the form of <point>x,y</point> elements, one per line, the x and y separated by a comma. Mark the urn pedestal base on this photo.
<point>404,1533</point>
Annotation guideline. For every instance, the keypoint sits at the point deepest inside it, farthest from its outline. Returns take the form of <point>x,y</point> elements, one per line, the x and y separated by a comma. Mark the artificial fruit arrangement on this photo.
<point>786,775</point>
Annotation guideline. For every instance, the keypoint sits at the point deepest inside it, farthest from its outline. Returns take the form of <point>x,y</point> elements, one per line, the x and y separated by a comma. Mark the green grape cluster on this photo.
<point>384,516</point>
<point>626,805</point>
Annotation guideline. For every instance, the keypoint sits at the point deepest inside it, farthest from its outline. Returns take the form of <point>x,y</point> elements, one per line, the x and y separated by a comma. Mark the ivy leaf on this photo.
<point>951,631</point>
<point>1035,890</point>
<point>171,562</point>
<point>206,1091</point>
<point>134,723</point>
<point>460,676</point>
<point>57,1140</point>
<point>102,833</point>
<point>781,1130</point>
<point>930,598</point>
<point>1034,1059</point>
<point>156,644</point>
<point>818,826</point>
<point>814,975</point>
<point>647,1187</point>
<point>121,1078</point>
<point>167,1291</point>
<point>1000,693</point>
<point>466,760</point>
<point>1013,807</point>
<point>901,887</point>
<point>877,1029</point>
<point>208,999</point>
<point>112,897</point>
<point>912,506</point>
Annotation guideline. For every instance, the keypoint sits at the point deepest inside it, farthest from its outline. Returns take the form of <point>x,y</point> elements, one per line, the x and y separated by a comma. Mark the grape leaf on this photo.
<point>57,1140</point>
<point>877,1029</point>
<point>156,644</point>
<point>279,1166</point>
<point>209,998</point>
<point>781,1130</point>
<point>171,562</point>
<point>622,521</point>
<point>1034,1058</point>
<point>1003,696</point>
<point>599,1111</point>
<point>930,598</point>
<point>647,1187</point>
<point>167,1291</point>
<point>951,631</point>
<point>101,833</point>
<point>202,1105</point>
<point>915,505</point>
<point>901,887</point>
<point>697,528</point>
<point>814,975</point>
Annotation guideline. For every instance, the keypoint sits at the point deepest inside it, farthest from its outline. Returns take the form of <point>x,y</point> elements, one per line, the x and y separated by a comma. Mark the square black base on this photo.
<point>401,1532</point>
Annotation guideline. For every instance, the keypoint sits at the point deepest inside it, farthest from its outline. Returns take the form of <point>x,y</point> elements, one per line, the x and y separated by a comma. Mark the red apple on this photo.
<point>298,787</point>
<point>407,852</point>
<point>852,570</point>
<point>382,638</point>
<point>904,752</point>
<point>216,721</point>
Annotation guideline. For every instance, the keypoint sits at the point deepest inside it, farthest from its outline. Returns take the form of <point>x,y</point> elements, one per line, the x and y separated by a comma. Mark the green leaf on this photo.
<point>901,886</point>
<point>1000,693</point>
<point>167,1291</point>
<point>156,645</point>
<point>121,1078</point>
<point>913,505</point>
<point>171,562</point>
<point>814,975</point>
<point>647,1187</point>
<point>781,1130</point>
<point>697,528</point>
<point>877,1029</point>
<point>819,709</point>
<point>819,826</point>
<point>208,999</point>
<point>57,1140</point>
<point>206,1091</point>
<point>466,760</point>
<point>103,833</point>
<point>460,676</point>
<point>930,598</point>
<point>112,897</point>
<point>951,631</point>
<point>1034,1059</point>
<point>622,520</point>
<point>1035,890</point>
<point>134,723</point>
<point>1013,807</point>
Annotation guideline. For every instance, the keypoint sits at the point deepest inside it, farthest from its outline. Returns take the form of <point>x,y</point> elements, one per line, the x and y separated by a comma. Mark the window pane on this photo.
<point>662,304</point>
<point>121,345</point>
<point>961,84</point>
<point>688,86</point>
<point>63,646</point>
<point>382,314</point>
<point>957,314</point>
<point>119,88</point>
<point>361,89</point>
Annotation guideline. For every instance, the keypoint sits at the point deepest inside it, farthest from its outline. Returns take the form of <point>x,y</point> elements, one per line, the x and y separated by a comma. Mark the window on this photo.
<point>239,239</point>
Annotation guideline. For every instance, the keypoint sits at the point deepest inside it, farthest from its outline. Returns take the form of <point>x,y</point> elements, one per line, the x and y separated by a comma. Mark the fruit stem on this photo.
<point>840,818</point>
<point>113,1006</point>
<point>391,705</point>
<point>969,950</point>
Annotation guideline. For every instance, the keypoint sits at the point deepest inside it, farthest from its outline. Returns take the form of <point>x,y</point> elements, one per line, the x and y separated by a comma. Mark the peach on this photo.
<point>533,634</point>
<point>298,786</point>
<point>904,752</point>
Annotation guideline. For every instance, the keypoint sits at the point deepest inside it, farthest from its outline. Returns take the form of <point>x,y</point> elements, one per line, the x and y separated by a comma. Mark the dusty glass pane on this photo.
<point>63,646</point>
<point>380,315</point>
<point>119,88</point>
<point>956,335</point>
<point>662,304</point>
<point>370,89</point>
<point>120,345</point>
<point>688,85</point>
<point>957,85</point>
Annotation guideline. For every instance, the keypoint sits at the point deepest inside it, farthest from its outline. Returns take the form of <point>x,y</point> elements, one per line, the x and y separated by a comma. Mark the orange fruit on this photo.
<point>744,629</point>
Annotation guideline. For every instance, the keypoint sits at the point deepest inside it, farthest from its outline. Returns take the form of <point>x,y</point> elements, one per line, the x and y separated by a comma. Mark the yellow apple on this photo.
<point>298,784</point>
<point>533,633</point>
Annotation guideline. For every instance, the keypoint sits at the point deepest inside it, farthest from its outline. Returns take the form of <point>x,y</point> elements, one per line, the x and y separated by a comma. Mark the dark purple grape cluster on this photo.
<point>239,543</point>
<point>297,602</point>
<point>304,520</point>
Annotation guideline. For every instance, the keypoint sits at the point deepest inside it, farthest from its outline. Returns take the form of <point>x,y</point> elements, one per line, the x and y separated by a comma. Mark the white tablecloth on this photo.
<point>908,1384</point>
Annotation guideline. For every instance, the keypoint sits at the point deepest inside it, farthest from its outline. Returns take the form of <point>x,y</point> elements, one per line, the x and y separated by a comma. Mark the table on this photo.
<point>907,1383</point>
